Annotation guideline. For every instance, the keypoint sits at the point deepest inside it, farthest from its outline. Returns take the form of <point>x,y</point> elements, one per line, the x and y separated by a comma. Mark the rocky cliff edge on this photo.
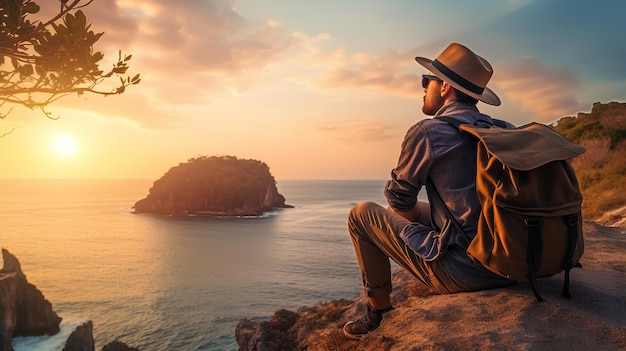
<point>24,310</point>
<point>499,319</point>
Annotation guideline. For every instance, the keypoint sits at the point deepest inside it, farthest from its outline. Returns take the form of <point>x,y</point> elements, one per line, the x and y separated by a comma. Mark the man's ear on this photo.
<point>445,88</point>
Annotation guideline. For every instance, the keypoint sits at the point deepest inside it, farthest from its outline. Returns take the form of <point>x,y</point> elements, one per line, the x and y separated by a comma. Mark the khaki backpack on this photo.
<point>530,224</point>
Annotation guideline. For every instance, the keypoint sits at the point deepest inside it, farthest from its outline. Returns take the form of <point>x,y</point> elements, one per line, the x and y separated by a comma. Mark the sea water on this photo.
<point>176,282</point>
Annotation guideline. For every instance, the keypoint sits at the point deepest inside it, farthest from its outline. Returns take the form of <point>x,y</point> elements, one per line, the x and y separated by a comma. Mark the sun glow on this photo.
<point>64,145</point>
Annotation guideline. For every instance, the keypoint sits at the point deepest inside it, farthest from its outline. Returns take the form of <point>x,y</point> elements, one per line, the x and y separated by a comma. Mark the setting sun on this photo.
<point>64,145</point>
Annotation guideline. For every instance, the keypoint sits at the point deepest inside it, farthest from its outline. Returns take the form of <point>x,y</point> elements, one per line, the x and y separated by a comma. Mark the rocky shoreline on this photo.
<point>26,312</point>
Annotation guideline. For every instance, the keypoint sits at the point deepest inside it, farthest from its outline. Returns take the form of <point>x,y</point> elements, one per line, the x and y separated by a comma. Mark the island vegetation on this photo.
<point>216,185</point>
<point>601,170</point>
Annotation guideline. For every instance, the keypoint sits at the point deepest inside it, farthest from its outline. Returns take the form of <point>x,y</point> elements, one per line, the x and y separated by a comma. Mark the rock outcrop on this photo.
<point>23,308</point>
<point>614,218</point>
<point>499,319</point>
<point>24,311</point>
<point>81,339</point>
<point>222,186</point>
<point>118,346</point>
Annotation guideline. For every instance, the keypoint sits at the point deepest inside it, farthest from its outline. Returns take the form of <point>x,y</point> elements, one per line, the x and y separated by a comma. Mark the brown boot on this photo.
<point>356,329</point>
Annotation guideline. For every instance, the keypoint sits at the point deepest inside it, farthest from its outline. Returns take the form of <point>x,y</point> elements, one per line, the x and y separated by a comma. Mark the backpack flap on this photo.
<point>526,147</point>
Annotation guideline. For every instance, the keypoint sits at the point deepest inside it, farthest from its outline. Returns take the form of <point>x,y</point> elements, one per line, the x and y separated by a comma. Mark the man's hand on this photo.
<point>419,213</point>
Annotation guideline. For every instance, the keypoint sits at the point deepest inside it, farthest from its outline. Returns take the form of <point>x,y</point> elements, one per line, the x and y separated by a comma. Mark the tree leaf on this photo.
<point>31,7</point>
<point>81,20</point>
<point>70,20</point>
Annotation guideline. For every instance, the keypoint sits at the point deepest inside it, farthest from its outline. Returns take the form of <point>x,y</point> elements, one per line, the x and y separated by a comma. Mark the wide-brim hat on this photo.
<point>464,70</point>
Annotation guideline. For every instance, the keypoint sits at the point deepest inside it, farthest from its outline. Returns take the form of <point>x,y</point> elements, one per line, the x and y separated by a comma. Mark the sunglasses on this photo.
<point>426,78</point>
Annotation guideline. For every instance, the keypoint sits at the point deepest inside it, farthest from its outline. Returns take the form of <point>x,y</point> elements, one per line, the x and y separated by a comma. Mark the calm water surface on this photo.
<point>176,283</point>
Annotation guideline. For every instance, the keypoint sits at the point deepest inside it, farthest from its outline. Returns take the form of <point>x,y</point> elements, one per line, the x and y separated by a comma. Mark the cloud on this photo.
<point>358,132</point>
<point>132,107</point>
<point>208,37</point>
<point>538,92</point>
<point>545,93</point>
<point>188,52</point>
<point>393,72</point>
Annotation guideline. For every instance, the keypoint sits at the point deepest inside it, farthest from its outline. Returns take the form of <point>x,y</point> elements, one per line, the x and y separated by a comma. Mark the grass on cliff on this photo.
<point>601,170</point>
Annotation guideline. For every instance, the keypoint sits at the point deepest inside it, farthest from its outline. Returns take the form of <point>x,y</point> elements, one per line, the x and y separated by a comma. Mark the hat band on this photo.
<point>457,78</point>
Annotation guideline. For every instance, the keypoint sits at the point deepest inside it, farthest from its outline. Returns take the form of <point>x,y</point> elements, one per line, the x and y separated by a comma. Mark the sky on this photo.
<point>315,89</point>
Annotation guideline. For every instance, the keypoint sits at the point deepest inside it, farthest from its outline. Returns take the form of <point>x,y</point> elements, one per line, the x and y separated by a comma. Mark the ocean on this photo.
<point>176,282</point>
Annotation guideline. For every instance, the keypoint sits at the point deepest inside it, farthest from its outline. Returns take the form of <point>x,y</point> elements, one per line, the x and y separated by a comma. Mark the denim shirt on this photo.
<point>434,149</point>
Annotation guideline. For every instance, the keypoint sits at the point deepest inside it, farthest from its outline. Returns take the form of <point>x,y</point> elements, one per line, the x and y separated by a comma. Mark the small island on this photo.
<point>214,186</point>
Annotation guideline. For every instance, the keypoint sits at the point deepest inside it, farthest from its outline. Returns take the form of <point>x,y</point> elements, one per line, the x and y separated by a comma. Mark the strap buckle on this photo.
<point>532,221</point>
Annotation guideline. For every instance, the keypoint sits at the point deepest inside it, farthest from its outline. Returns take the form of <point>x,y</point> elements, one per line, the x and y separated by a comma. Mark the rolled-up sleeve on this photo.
<point>414,163</point>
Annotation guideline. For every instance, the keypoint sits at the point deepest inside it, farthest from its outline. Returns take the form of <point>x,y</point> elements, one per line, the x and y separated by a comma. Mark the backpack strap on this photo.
<point>572,233</point>
<point>452,121</point>
<point>533,253</point>
<point>456,123</point>
<point>499,123</point>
